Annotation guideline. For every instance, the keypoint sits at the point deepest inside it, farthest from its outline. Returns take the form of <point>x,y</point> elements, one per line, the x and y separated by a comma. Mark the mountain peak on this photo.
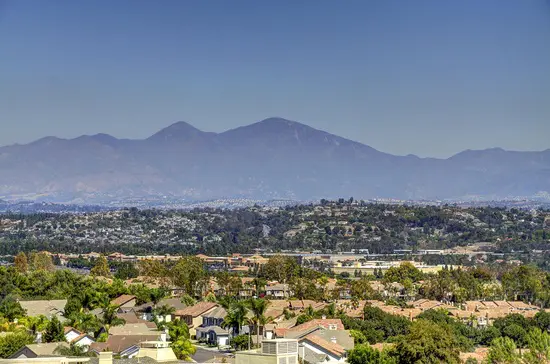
<point>49,140</point>
<point>277,120</point>
<point>176,131</point>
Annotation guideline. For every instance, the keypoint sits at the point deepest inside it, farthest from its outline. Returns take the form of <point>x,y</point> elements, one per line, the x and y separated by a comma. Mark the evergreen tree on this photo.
<point>54,331</point>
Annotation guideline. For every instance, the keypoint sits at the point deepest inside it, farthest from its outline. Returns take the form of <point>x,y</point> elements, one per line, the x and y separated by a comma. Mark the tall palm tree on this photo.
<point>258,306</point>
<point>156,295</point>
<point>235,318</point>
<point>226,302</point>
<point>259,285</point>
<point>85,322</point>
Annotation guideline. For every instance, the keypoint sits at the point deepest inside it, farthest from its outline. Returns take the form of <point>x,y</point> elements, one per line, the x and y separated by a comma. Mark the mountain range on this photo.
<point>270,159</point>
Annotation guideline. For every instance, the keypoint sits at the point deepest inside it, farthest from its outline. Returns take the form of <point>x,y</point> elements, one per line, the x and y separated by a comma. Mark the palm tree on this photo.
<point>259,285</point>
<point>235,318</point>
<point>226,302</point>
<point>85,322</point>
<point>73,350</point>
<point>110,318</point>
<point>258,306</point>
<point>34,324</point>
<point>156,295</point>
<point>91,299</point>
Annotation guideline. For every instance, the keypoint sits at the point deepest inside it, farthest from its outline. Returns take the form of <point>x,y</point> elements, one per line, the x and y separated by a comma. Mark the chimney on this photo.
<point>323,317</point>
<point>106,357</point>
<point>333,340</point>
<point>38,339</point>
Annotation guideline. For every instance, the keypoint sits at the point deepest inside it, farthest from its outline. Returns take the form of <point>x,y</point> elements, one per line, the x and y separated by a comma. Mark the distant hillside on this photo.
<point>274,158</point>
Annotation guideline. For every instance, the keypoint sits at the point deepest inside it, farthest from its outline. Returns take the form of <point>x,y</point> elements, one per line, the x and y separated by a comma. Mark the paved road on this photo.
<point>203,355</point>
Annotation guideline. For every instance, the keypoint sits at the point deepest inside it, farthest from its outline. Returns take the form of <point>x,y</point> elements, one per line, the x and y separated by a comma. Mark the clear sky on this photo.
<point>429,77</point>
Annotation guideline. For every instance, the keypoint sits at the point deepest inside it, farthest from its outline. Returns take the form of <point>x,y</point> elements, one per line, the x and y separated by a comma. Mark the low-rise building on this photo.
<point>124,301</point>
<point>211,331</point>
<point>276,351</point>
<point>38,350</point>
<point>192,315</point>
<point>48,308</point>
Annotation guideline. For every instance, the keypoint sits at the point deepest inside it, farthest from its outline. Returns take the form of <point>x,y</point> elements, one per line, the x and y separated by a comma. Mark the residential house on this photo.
<point>321,340</point>
<point>124,302</point>
<point>134,329</point>
<point>76,337</point>
<point>71,333</point>
<point>145,311</point>
<point>316,350</point>
<point>306,328</point>
<point>211,331</point>
<point>48,308</point>
<point>51,360</point>
<point>277,291</point>
<point>126,346</point>
<point>214,335</point>
<point>84,340</point>
<point>330,345</point>
<point>483,313</point>
<point>192,315</point>
<point>132,318</point>
<point>38,350</point>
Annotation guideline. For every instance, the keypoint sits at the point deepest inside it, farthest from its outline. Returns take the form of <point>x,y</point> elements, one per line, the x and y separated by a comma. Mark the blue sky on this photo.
<point>429,77</point>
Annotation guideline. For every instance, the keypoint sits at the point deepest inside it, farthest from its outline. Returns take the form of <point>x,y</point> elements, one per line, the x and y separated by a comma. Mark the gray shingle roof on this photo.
<point>48,308</point>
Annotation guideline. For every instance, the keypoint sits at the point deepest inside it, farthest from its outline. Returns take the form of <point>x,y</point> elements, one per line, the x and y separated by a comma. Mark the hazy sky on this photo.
<point>429,77</point>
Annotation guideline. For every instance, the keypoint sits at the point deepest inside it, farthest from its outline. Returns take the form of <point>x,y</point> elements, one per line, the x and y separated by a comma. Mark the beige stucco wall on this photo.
<point>160,354</point>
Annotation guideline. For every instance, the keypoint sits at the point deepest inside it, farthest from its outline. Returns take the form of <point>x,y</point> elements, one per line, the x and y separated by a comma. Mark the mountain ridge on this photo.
<point>105,135</point>
<point>272,158</point>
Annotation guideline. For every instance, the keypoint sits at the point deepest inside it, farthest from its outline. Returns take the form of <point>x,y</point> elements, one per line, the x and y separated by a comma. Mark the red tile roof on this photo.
<point>324,323</point>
